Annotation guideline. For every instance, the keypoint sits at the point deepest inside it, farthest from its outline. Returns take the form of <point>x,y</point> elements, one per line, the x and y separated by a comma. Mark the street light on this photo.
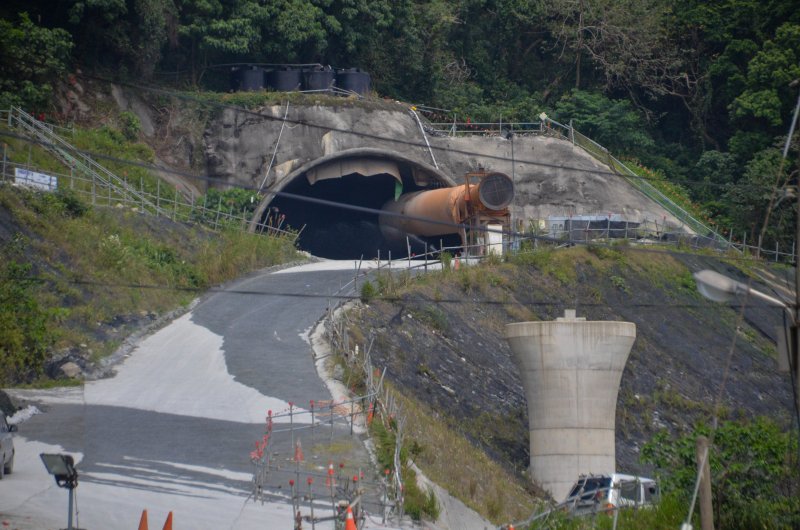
<point>719,288</point>
<point>62,467</point>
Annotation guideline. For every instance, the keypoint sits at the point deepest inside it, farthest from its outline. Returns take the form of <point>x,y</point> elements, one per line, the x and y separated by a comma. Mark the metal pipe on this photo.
<point>446,207</point>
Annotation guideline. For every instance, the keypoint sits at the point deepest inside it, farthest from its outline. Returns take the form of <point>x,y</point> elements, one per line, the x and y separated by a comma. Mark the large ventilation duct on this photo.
<point>446,207</point>
<point>571,371</point>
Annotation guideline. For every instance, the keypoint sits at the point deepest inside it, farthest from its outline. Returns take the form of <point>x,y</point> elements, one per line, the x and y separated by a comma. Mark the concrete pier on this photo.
<point>571,370</point>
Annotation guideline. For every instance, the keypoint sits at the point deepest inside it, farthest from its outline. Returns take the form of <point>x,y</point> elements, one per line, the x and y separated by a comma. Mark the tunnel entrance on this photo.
<point>339,233</point>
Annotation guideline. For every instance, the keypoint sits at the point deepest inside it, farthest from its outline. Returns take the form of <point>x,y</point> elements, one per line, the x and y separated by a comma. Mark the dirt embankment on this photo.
<point>443,342</point>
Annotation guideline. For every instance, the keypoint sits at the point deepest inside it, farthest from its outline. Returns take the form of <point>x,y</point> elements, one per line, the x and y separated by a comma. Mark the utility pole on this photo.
<point>704,470</point>
<point>794,358</point>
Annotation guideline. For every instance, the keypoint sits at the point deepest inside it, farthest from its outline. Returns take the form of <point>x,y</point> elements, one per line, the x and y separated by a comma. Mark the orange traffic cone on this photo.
<point>143,521</point>
<point>510,526</point>
<point>168,522</point>
<point>349,522</point>
<point>329,479</point>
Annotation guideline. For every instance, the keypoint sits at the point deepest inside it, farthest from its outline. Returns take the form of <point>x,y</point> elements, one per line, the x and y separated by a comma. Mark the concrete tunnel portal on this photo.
<point>366,178</point>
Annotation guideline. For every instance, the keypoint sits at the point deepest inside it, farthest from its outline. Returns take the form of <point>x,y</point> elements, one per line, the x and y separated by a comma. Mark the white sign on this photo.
<point>32,179</point>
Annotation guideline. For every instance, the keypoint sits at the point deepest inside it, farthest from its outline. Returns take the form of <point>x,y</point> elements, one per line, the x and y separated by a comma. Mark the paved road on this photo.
<point>174,428</point>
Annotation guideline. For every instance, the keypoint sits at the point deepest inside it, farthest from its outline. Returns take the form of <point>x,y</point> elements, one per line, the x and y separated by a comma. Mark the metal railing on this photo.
<point>74,158</point>
<point>549,127</point>
<point>323,423</point>
<point>646,232</point>
<point>169,204</point>
<point>640,183</point>
<point>383,404</point>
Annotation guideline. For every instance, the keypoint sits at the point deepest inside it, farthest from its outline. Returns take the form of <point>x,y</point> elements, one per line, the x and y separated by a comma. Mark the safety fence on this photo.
<point>164,201</point>
<point>548,127</point>
<point>602,154</point>
<point>319,496</point>
<point>650,230</point>
<point>383,406</point>
<point>99,186</point>
<point>603,230</point>
<point>77,161</point>
<point>587,504</point>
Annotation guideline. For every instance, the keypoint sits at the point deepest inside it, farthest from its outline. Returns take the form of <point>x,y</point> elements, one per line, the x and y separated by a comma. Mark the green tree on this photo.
<point>624,40</point>
<point>126,36</point>
<point>754,482</point>
<point>718,39</point>
<point>31,58</point>
<point>615,124</point>
<point>25,336</point>
<point>747,200</point>
<point>767,95</point>
<point>713,171</point>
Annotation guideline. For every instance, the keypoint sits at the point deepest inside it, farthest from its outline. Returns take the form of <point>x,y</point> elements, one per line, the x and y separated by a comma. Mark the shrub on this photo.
<point>368,291</point>
<point>130,125</point>
<point>446,259</point>
<point>753,487</point>
<point>25,334</point>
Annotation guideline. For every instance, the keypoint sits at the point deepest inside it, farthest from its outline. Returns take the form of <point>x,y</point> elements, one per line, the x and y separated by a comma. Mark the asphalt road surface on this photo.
<point>173,430</point>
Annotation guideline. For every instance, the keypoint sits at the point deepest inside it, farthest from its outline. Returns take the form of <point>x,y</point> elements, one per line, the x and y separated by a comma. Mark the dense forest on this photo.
<point>699,91</point>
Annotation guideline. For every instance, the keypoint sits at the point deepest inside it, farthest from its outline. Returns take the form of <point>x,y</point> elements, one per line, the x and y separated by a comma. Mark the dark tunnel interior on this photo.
<point>339,233</point>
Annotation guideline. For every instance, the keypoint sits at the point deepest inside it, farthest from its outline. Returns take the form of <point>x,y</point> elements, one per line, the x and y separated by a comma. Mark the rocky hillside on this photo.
<point>441,340</point>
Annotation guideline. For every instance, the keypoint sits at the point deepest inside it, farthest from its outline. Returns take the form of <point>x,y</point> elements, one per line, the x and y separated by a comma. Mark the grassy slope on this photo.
<point>442,343</point>
<point>90,262</point>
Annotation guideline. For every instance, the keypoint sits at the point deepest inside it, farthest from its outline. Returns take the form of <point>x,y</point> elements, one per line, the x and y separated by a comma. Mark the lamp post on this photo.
<point>62,467</point>
<point>719,288</point>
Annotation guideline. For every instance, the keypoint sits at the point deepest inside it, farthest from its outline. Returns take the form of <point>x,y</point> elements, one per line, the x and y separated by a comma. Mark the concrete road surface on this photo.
<point>173,430</point>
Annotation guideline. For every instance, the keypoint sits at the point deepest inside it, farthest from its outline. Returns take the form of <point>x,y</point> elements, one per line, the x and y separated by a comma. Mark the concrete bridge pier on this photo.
<point>571,370</point>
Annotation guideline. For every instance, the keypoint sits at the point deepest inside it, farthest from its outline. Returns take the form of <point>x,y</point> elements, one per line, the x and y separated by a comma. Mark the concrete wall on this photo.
<point>571,370</point>
<point>552,176</point>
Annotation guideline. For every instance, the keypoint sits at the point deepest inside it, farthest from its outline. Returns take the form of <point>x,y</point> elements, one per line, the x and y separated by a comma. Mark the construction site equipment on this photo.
<point>467,209</point>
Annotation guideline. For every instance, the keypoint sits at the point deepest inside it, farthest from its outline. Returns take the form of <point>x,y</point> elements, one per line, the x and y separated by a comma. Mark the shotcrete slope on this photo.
<point>553,177</point>
<point>442,341</point>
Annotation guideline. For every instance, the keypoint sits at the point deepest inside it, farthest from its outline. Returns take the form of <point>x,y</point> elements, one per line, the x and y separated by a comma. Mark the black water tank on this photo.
<point>284,79</point>
<point>318,79</point>
<point>251,78</point>
<point>353,80</point>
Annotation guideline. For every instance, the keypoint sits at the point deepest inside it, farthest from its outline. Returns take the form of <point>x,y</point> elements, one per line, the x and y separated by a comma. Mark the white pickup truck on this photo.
<point>606,493</point>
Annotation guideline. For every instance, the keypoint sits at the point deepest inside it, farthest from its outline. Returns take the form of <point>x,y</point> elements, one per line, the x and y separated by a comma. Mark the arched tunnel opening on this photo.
<point>339,233</point>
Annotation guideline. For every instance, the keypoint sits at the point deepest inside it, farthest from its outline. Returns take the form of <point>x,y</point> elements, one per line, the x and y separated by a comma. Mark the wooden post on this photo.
<point>703,468</point>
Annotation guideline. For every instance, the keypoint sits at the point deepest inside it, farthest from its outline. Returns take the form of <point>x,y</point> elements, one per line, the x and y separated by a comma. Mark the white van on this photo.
<point>605,493</point>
